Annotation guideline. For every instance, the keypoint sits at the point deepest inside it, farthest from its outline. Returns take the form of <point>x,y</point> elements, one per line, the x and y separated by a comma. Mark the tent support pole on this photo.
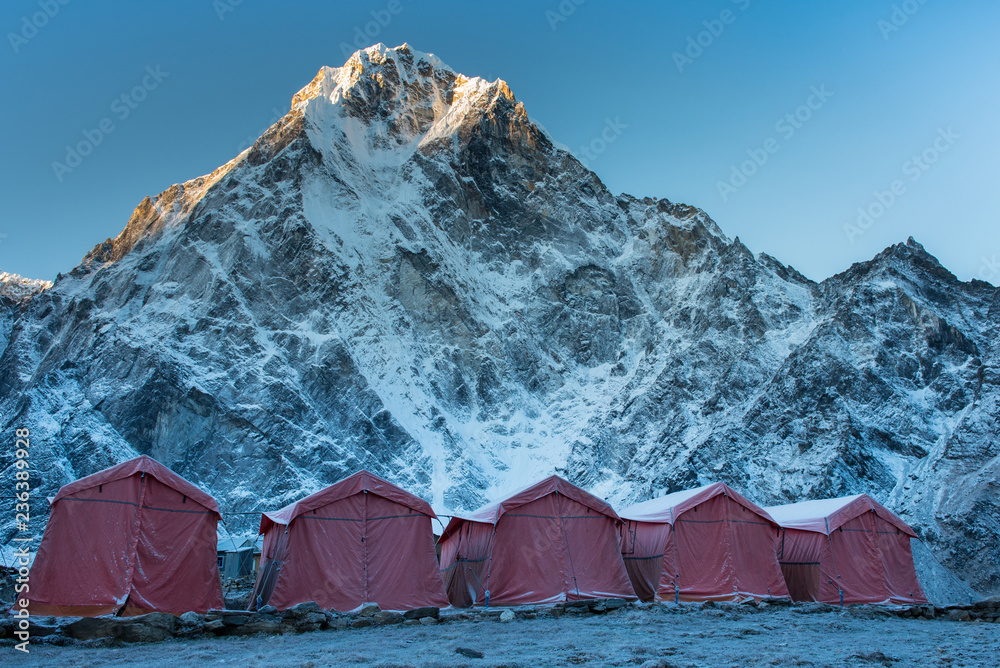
<point>677,576</point>
<point>565,541</point>
<point>489,567</point>
<point>364,550</point>
<point>829,541</point>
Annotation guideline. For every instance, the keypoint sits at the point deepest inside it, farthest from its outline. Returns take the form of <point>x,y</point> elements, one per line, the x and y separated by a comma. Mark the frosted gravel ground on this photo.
<point>628,638</point>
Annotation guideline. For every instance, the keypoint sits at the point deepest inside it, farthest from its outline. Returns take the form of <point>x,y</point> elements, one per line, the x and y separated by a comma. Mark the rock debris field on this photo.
<point>608,633</point>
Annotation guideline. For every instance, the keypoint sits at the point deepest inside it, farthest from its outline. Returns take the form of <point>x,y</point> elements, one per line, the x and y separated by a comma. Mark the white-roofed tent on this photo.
<point>846,550</point>
<point>548,542</point>
<point>708,543</point>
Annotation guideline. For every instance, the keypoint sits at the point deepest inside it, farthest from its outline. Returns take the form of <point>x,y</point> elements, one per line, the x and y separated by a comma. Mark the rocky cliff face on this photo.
<point>406,274</point>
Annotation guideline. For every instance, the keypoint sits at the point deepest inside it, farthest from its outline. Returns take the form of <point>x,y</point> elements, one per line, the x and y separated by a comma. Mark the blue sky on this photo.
<point>780,119</point>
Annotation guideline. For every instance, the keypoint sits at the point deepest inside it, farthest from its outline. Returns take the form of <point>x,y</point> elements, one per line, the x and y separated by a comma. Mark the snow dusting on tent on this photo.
<point>549,542</point>
<point>132,539</point>
<point>359,540</point>
<point>708,543</point>
<point>826,515</point>
<point>846,550</point>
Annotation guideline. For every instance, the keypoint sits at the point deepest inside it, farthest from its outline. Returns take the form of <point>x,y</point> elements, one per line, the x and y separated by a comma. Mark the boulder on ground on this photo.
<point>212,615</point>
<point>191,619</point>
<point>774,600</point>
<point>387,617</point>
<point>41,627</point>
<point>369,610</point>
<point>92,628</point>
<point>868,612</point>
<point>297,612</point>
<point>418,613</point>
<point>311,621</point>
<point>267,617</point>
<point>153,627</point>
<point>959,615</point>
<point>338,623</point>
<point>214,626</point>
<point>271,626</point>
<point>236,618</point>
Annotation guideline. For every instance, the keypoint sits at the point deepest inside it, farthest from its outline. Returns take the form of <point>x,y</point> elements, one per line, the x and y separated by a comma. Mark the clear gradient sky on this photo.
<point>218,73</point>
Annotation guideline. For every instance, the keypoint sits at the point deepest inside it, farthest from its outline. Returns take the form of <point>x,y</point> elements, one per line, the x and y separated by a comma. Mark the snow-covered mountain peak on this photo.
<point>379,66</point>
<point>908,263</point>
<point>16,288</point>
<point>398,100</point>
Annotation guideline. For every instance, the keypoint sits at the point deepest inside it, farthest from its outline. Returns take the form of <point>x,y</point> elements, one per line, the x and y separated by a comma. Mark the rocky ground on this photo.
<point>632,635</point>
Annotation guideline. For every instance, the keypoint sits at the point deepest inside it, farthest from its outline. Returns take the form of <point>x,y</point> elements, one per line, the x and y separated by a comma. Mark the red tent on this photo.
<point>847,550</point>
<point>549,542</point>
<point>360,540</point>
<point>709,543</point>
<point>131,539</point>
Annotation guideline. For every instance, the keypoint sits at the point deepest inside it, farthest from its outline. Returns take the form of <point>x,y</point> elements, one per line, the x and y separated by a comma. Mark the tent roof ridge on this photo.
<point>828,515</point>
<point>492,512</point>
<point>357,483</point>
<point>141,464</point>
<point>665,509</point>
